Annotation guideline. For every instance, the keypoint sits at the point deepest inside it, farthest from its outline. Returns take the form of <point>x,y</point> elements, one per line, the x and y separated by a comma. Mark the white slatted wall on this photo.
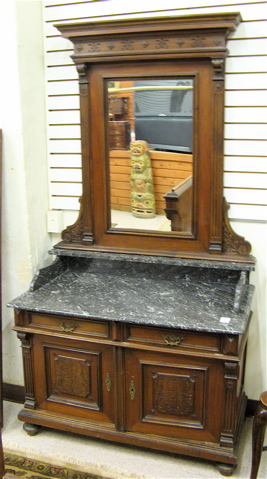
<point>245,167</point>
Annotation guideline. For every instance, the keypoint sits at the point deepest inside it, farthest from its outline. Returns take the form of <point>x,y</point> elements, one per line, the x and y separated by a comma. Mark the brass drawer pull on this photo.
<point>132,390</point>
<point>172,339</point>
<point>68,327</point>
<point>108,382</point>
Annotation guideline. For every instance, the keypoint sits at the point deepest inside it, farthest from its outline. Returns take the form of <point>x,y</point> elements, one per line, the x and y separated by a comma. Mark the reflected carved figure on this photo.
<point>142,187</point>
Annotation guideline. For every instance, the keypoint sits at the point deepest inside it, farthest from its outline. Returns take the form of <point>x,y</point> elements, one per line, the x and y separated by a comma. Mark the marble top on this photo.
<point>201,262</point>
<point>158,295</point>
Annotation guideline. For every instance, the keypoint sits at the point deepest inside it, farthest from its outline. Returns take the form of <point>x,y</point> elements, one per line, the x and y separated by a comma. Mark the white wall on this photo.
<point>255,375</point>
<point>25,240</point>
<point>27,153</point>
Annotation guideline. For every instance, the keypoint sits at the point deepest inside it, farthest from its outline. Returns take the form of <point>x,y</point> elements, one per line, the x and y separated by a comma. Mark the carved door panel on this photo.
<point>173,395</point>
<point>74,378</point>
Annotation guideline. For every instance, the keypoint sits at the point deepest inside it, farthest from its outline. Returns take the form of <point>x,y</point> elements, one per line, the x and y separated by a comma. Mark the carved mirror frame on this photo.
<point>194,45</point>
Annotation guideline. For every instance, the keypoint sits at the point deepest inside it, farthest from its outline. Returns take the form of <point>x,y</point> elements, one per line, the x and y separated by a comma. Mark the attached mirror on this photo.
<point>150,125</point>
<point>151,103</point>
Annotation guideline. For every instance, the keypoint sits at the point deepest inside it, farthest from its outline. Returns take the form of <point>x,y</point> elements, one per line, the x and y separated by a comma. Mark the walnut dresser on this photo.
<point>137,332</point>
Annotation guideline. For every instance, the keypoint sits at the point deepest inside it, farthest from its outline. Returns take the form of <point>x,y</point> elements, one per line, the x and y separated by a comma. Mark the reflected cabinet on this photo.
<point>137,332</point>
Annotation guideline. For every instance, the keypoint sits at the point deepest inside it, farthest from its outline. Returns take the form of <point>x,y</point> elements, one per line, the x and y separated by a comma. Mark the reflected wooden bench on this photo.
<point>178,207</point>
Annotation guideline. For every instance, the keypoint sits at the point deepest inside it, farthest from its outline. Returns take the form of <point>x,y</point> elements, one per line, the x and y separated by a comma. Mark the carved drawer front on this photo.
<point>74,378</point>
<point>70,325</point>
<point>172,339</point>
<point>173,395</point>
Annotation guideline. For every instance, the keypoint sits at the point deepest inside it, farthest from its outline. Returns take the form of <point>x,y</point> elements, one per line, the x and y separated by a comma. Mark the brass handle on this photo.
<point>172,339</point>
<point>108,382</point>
<point>68,327</point>
<point>132,390</point>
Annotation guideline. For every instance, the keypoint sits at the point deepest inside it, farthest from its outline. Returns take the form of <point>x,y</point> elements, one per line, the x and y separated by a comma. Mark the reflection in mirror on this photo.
<point>151,154</point>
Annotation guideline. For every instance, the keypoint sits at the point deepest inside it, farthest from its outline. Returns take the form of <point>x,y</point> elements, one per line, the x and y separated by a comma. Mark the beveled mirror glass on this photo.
<point>150,153</point>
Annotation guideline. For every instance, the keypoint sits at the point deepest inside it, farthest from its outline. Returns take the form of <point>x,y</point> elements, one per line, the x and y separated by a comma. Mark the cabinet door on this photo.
<point>174,396</point>
<point>74,378</point>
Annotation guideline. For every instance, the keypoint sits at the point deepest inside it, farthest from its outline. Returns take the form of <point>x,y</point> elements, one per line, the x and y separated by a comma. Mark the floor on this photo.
<point>114,461</point>
<point>124,219</point>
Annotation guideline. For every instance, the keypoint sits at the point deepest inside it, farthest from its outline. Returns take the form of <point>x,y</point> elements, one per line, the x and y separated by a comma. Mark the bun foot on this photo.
<point>31,429</point>
<point>226,469</point>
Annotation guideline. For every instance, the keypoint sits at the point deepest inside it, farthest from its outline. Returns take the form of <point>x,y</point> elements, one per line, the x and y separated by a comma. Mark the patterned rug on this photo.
<point>17,466</point>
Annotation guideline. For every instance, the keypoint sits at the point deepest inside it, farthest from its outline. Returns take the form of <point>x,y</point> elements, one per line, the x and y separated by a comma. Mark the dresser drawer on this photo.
<point>172,338</point>
<point>70,325</point>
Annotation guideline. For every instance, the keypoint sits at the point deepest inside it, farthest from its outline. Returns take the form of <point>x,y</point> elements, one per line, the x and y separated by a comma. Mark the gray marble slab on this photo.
<point>159,295</point>
<point>155,259</point>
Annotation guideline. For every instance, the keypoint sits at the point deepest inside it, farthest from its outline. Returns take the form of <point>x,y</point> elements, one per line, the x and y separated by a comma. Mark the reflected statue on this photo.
<point>142,188</point>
